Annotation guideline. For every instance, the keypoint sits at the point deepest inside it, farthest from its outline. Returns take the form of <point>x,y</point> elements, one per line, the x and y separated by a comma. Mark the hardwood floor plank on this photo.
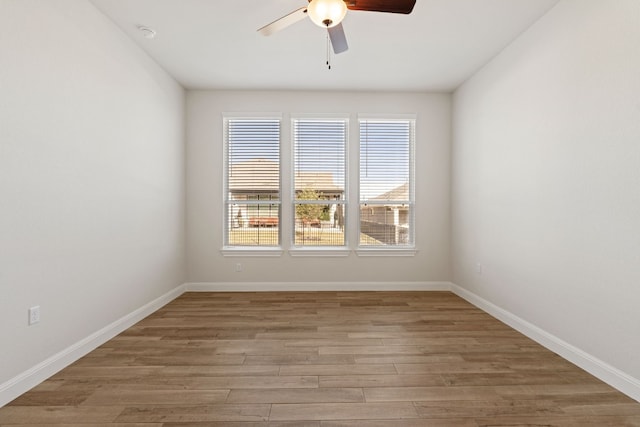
<point>243,382</point>
<point>190,383</point>
<point>318,395</point>
<point>333,342</point>
<point>406,359</point>
<point>612,421</point>
<point>452,368</point>
<point>53,398</point>
<point>204,413</point>
<point>541,391</point>
<point>368,369</point>
<point>371,349</point>
<point>122,397</point>
<point>44,414</point>
<point>186,359</point>
<point>511,378</point>
<point>381,380</point>
<point>342,411</point>
<point>309,334</point>
<point>88,425</point>
<point>486,408</point>
<point>420,394</point>
<point>453,422</point>
<point>245,424</point>
<point>301,359</point>
<point>222,370</point>
<point>76,371</point>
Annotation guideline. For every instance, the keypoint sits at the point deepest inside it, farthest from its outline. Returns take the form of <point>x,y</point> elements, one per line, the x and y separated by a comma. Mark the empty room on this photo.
<point>319,213</point>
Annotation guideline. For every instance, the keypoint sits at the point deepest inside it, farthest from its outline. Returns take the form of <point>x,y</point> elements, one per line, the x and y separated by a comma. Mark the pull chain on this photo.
<point>328,50</point>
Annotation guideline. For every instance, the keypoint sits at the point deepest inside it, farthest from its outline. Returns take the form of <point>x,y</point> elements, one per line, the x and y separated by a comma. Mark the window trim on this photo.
<point>370,251</point>
<point>399,250</point>
<point>238,250</point>
<point>317,250</point>
<point>286,187</point>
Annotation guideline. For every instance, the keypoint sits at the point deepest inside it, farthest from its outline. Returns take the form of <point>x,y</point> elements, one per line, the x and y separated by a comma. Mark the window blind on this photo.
<point>386,182</point>
<point>319,181</point>
<point>253,182</point>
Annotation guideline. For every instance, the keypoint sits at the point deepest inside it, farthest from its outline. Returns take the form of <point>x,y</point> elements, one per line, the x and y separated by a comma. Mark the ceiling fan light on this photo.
<point>327,13</point>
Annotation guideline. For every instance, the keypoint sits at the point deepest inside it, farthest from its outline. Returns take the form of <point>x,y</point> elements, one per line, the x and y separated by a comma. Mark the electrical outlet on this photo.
<point>478,268</point>
<point>34,315</point>
<point>238,267</point>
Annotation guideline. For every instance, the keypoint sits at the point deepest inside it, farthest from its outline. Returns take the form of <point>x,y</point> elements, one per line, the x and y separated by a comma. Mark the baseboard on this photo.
<point>23,382</point>
<point>596,367</point>
<point>315,286</point>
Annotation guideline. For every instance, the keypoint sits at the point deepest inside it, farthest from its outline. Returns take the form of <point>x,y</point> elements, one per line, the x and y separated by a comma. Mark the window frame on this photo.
<point>408,249</point>
<point>249,250</point>
<point>319,250</point>
<point>286,189</point>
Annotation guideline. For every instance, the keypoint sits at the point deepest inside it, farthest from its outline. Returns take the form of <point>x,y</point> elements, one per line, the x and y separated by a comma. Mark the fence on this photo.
<point>387,234</point>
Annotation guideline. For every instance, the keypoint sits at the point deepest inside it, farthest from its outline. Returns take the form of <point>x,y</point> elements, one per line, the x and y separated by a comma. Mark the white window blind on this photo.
<point>319,181</point>
<point>252,206</point>
<point>386,182</point>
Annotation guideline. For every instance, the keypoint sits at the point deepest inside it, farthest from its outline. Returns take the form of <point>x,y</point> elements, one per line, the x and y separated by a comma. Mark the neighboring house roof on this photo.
<point>261,175</point>
<point>318,181</point>
<point>398,193</point>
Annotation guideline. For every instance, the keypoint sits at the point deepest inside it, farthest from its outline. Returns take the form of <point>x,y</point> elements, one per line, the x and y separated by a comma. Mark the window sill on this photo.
<point>319,252</point>
<point>386,252</point>
<point>247,251</point>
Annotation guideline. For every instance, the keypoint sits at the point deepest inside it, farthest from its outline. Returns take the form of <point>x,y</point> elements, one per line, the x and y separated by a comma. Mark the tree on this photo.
<point>308,213</point>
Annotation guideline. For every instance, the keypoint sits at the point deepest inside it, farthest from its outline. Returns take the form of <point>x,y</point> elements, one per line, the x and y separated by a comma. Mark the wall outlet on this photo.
<point>238,267</point>
<point>34,315</point>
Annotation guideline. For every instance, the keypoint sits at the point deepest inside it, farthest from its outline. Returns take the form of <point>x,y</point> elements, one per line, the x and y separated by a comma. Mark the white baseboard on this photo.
<point>315,286</point>
<point>596,367</point>
<point>23,382</point>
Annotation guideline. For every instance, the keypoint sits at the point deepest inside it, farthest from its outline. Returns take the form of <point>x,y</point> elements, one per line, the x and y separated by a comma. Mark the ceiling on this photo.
<point>213,44</point>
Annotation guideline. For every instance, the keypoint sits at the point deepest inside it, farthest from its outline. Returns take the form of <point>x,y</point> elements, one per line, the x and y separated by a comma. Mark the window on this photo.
<point>319,182</point>
<point>320,218</point>
<point>386,183</point>
<point>252,184</point>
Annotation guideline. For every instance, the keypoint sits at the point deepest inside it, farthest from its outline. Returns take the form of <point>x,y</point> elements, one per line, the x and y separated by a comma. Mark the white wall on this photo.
<point>546,180</point>
<point>92,222</point>
<point>205,173</point>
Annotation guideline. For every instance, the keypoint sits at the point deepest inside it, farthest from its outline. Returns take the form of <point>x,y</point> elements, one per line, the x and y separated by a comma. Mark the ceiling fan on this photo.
<point>330,13</point>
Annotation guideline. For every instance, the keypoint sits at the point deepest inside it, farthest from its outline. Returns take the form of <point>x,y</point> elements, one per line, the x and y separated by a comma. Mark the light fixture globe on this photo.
<point>327,13</point>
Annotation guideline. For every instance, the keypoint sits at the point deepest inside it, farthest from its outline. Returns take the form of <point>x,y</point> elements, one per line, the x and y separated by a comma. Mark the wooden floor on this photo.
<point>323,359</point>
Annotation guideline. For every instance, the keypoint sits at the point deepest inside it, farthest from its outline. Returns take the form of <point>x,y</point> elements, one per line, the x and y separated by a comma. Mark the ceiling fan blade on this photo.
<point>338,39</point>
<point>389,6</point>
<point>285,21</point>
